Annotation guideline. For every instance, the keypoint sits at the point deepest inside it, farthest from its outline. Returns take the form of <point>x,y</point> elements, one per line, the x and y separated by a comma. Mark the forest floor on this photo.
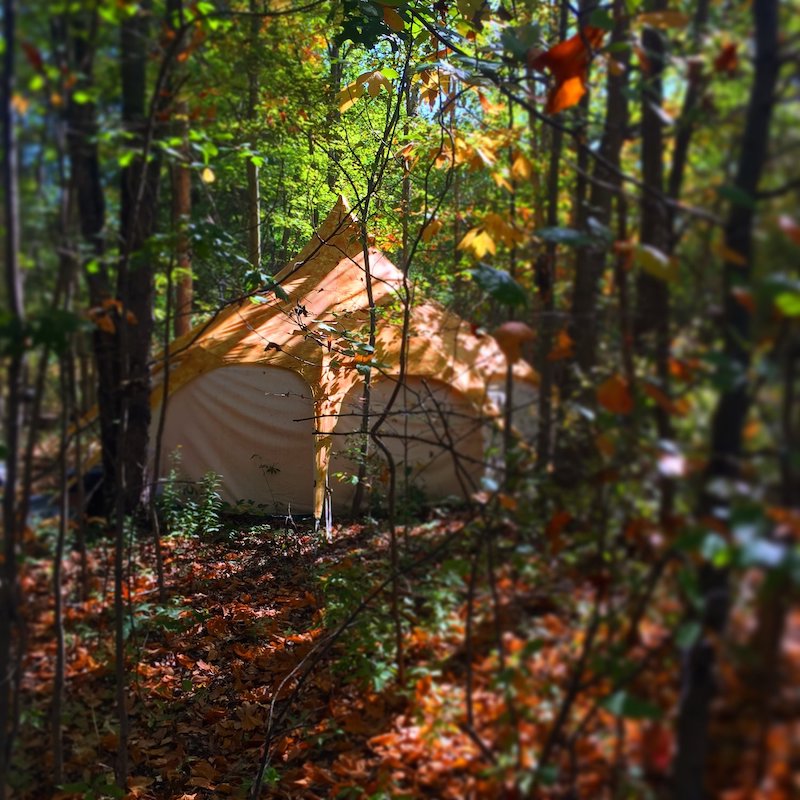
<point>249,653</point>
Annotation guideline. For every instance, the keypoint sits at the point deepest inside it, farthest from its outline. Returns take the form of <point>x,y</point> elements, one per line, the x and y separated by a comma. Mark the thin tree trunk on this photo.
<point>698,682</point>
<point>138,208</point>
<point>58,563</point>
<point>546,268</point>
<point>334,155</point>
<point>591,260</point>
<point>85,165</point>
<point>652,307</point>
<point>253,188</point>
<point>181,218</point>
<point>80,496</point>
<point>9,619</point>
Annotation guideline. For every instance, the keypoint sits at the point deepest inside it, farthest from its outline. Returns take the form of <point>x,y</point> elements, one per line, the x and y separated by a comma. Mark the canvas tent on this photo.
<point>266,393</point>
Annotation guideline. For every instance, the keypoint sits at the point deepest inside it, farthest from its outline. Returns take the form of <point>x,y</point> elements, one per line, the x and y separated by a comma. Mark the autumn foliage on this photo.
<point>568,63</point>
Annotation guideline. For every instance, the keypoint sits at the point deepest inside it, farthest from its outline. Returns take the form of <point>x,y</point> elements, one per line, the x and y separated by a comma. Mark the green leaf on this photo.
<point>688,634</point>
<point>601,18</point>
<point>737,196</point>
<point>788,303</point>
<point>126,159</point>
<point>518,41</point>
<point>271,285</point>
<point>498,284</point>
<point>623,704</point>
<point>566,236</point>
<point>81,97</point>
<point>716,550</point>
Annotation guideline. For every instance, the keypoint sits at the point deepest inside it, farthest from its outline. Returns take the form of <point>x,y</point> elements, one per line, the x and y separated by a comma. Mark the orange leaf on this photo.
<point>510,337</point>
<point>393,19</point>
<point>564,347</point>
<point>615,395</point>
<point>663,400</point>
<point>431,229</point>
<point>19,103</point>
<point>730,255</point>
<point>728,59</point>
<point>744,297</point>
<point>568,63</point>
<point>507,502</point>
<point>557,523</point>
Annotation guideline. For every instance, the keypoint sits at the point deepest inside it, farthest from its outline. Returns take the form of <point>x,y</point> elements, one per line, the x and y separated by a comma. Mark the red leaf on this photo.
<point>790,227</point>
<point>34,56</point>
<point>727,60</point>
<point>568,62</point>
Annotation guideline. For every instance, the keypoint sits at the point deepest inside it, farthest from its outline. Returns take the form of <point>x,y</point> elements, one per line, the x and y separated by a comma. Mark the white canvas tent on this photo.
<point>266,393</point>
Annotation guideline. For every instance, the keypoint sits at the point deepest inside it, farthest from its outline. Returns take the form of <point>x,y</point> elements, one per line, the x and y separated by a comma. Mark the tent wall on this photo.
<point>434,435</point>
<point>241,422</point>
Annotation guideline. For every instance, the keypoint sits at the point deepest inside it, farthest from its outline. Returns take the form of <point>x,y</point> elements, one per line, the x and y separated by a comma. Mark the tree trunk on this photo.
<point>85,165</point>
<point>698,683</point>
<point>138,207</point>
<point>9,616</point>
<point>181,218</point>
<point>545,278</point>
<point>652,307</point>
<point>591,261</point>
<point>253,187</point>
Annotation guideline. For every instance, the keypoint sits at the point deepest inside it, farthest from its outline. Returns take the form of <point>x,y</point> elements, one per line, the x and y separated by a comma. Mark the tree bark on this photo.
<point>253,187</point>
<point>545,278</point>
<point>652,302</point>
<point>181,218</point>
<point>138,207</point>
<point>591,260</point>
<point>9,613</point>
<point>82,133</point>
<point>698,682</point>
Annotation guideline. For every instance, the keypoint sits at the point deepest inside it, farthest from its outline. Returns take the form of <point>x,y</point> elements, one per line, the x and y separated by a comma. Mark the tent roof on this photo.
<point>313,332</point>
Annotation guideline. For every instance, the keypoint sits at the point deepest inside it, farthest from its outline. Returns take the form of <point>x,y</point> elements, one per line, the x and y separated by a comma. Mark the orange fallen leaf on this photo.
<point>614,394</point>
<point>568,63</point>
